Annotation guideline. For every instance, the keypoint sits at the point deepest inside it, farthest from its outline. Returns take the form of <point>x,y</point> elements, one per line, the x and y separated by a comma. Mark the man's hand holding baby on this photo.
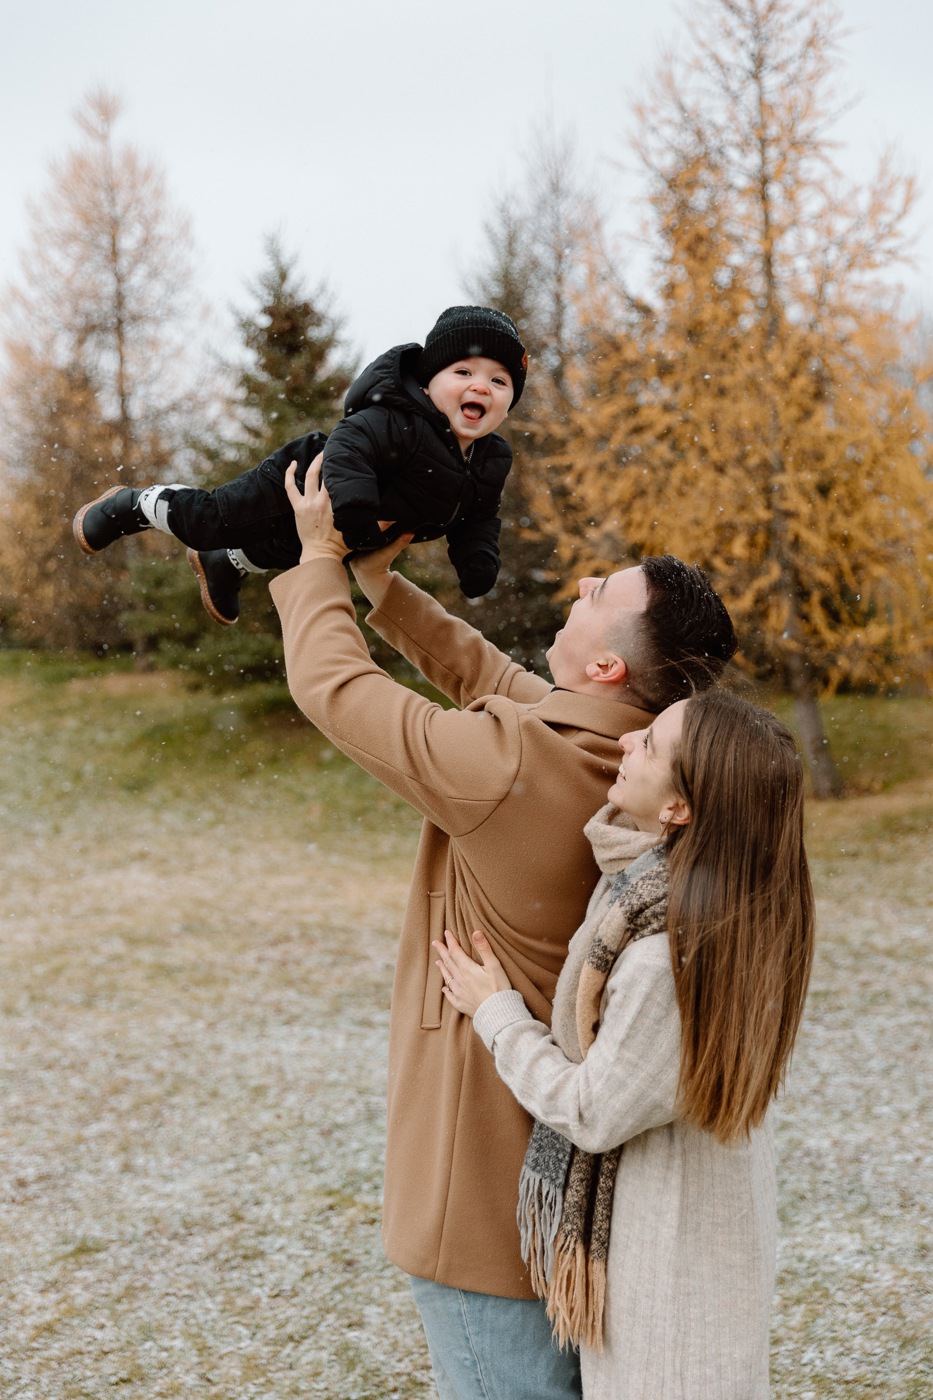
<point>320,538</point>
<point>314,516</point>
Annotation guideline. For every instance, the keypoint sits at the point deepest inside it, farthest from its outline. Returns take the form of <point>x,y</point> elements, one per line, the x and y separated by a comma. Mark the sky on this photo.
<point>373,137</point>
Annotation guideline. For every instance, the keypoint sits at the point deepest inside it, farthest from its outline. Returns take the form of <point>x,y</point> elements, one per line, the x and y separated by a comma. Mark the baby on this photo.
<point>416,452</point>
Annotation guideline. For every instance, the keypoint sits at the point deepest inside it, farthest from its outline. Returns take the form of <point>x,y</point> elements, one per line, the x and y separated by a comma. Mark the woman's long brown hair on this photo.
<point>741,910</point>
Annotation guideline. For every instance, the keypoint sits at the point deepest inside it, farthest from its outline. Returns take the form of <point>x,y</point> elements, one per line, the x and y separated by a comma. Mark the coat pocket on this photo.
<point>433,982</point>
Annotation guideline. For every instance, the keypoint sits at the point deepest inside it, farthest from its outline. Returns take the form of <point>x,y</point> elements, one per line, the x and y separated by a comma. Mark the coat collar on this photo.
<point>607,717</point>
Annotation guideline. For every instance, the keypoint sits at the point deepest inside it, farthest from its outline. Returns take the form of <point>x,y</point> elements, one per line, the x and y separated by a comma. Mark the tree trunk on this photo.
<point>813,738</point>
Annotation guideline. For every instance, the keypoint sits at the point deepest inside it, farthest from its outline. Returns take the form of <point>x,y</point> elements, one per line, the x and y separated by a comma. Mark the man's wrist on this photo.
<point>310,552</point>
<point>375,583</point>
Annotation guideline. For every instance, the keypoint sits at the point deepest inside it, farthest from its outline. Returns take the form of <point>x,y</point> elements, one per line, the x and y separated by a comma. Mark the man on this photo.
<point>505,783</point>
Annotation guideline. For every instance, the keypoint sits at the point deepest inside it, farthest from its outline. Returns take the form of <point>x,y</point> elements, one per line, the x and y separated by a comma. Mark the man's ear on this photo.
<point>675,813</point>
<point>608,669</point>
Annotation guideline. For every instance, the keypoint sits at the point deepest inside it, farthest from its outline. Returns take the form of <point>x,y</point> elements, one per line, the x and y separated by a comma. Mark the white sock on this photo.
<point>154,508</point>
<point>239,561</point>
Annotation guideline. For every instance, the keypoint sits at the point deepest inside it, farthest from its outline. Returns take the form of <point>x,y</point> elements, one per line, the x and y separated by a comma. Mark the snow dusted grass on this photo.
<point>198,909</point>
<point>854,1314</point>
<point>194,990</point>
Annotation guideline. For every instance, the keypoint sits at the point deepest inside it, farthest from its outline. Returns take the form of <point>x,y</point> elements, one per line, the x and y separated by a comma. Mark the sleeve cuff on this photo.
<point>384,614</point>
<point>498,1011</point>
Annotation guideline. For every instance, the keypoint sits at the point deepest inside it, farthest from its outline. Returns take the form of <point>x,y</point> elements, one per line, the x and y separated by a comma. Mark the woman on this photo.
<point>647,1203</point>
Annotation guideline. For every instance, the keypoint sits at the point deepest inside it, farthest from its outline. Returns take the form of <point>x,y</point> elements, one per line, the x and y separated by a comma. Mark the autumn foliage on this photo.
<point>99,390</point>
<point>758,406</point>
<point>753,413</point>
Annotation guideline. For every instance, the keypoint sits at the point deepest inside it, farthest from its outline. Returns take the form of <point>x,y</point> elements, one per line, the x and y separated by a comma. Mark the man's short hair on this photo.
<point>684,638</point>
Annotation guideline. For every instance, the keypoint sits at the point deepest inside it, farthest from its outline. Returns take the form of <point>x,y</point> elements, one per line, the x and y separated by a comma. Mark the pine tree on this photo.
<point>292,380</point>
<point>754,417</point>
<point>295,378</point>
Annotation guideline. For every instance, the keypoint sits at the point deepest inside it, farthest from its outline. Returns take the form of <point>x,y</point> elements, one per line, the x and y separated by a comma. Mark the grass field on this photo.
<point>199,902</point>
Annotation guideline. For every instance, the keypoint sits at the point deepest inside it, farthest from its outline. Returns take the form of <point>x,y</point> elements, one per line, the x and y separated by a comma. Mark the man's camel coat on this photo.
<point>505,783</point>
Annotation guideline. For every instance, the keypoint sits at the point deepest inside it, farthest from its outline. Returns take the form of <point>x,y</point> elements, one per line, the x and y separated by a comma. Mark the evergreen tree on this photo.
<point>755,416</point>
<point>295,377</point>
<point>292,380</point>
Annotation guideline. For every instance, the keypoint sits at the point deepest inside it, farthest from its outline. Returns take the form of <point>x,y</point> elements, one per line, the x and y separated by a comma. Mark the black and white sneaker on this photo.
<point>220,580</point>
<point>108,518</point>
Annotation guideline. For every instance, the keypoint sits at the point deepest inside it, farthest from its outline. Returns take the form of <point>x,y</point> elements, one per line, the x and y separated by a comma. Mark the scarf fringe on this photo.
<point>576,1296</point>
<point>540,1204</point>
<point>565,1194</point>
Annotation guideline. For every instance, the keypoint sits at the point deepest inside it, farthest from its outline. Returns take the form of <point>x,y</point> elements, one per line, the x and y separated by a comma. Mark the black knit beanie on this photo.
<point>463,331</point>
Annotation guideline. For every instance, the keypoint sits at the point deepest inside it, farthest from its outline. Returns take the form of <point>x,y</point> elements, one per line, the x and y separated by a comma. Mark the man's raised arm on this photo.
<point>452,655</point>
<point>453,767</point>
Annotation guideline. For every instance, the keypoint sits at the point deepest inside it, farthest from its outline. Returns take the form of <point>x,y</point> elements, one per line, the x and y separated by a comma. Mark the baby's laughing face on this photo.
<point>474,394</point>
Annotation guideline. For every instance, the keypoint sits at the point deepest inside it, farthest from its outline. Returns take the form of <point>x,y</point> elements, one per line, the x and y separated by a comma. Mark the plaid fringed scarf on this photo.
<point>565,1194</point>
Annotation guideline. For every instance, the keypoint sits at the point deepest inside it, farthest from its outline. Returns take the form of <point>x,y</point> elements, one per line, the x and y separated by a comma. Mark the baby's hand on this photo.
<point>467,983</point>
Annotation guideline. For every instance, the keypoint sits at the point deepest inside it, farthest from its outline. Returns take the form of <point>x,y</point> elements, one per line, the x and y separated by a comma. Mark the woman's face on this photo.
<point>644,788</point>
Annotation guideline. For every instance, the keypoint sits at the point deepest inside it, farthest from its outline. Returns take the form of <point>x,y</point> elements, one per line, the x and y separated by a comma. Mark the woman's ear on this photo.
<point>675,813</point>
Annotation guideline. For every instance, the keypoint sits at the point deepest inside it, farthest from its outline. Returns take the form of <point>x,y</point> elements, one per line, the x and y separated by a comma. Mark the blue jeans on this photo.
<point>488,1348</point>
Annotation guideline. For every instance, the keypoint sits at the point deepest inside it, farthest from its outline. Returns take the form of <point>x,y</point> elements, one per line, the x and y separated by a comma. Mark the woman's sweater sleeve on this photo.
<point>628,1081</point>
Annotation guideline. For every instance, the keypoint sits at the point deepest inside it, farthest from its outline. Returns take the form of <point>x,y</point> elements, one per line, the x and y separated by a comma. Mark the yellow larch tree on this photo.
<point>53,596</point>
<point>98,386</point>
<point>753,415</point>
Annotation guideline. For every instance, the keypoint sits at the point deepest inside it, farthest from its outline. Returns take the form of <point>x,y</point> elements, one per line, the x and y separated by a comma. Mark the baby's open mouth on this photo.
<point>473,412</point>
